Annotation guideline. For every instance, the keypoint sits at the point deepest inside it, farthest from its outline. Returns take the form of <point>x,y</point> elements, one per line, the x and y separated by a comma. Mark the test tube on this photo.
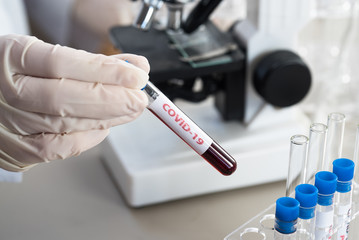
<point>297,158</point>
<point>326,182</point>
<point>307,196</point>
<point>286,217</point>
<point>344,169</point>
<point>316,148</point>
<point>334,145</point>
<point>356,158</point>
<point>356,174</point>
<point>188,131</point>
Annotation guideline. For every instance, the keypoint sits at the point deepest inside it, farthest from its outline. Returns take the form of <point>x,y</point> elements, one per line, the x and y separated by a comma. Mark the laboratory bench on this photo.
<point>77,199</point>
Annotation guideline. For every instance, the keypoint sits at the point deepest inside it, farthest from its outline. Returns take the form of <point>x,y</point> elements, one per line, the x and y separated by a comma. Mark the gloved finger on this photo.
<point>27,123</point>
<point>22,151</point>
<point>137,60</point>
<point>10,164</point>
<point>53,61</point>
<point>73,98</point>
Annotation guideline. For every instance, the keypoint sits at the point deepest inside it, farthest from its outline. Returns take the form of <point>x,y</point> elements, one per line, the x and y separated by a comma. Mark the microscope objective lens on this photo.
<point>188,131</point>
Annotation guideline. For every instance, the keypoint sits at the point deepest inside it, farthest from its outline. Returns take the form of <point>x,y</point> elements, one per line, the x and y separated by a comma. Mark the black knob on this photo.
<point>282,78</point>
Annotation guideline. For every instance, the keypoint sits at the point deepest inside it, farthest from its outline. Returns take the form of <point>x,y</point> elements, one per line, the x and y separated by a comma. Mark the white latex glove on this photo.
<point>56,102</point>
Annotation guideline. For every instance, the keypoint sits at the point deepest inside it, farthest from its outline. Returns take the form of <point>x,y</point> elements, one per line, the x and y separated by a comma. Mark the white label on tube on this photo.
<point>324,219</point>
<point>324,224</point>
<point>343,221</point>
<point>344,209</point>
<point>343,230</point>
<point>184,127</point>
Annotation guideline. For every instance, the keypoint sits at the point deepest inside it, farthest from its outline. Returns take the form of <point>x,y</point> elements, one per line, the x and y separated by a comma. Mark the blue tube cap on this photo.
<point>287,209</point>
<point>326,182</point>
<point>286,214</point>
<point>307,196</point>
<point>344,169</point>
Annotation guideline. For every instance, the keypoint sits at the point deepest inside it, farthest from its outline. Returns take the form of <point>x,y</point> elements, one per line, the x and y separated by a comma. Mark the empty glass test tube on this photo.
<point>188,131</point>
<point>316,148</point>
<point>334,145</point>
<point>297,158</point>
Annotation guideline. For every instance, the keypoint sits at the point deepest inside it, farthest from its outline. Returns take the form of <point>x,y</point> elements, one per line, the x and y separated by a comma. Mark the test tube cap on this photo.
<point>307,196</point>
<point>287,209</point>
<point>344,169</point>
<point>286,214</point>
<point>326,182</point>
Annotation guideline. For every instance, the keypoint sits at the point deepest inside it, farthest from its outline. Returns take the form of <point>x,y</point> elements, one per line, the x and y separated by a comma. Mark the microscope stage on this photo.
<point>150,164</point>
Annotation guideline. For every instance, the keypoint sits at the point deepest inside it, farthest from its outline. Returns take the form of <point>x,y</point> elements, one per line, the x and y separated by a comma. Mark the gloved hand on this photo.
<point>56,102</point>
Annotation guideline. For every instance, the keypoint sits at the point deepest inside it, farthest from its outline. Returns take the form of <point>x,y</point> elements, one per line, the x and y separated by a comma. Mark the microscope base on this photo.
<point>150,164</point>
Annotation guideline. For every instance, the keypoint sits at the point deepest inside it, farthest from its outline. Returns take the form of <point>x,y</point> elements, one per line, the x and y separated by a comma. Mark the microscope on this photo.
<point>244,83</point>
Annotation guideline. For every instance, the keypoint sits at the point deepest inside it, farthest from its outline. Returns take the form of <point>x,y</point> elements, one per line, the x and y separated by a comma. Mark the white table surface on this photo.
<point>76,199</point>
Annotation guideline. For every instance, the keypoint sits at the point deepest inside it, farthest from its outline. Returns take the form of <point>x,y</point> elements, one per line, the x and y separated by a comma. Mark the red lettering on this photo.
<point>171,112</point>
<point>186,127</point>
<point>178,118</point>
<point>166,106</point>
<point>200,141</point>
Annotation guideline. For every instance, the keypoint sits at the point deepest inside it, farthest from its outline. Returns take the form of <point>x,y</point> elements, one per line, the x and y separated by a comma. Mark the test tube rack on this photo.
<point>261,226</point>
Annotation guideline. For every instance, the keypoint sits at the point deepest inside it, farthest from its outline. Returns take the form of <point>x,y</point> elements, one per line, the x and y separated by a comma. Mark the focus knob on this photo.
<point>282,78</point>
